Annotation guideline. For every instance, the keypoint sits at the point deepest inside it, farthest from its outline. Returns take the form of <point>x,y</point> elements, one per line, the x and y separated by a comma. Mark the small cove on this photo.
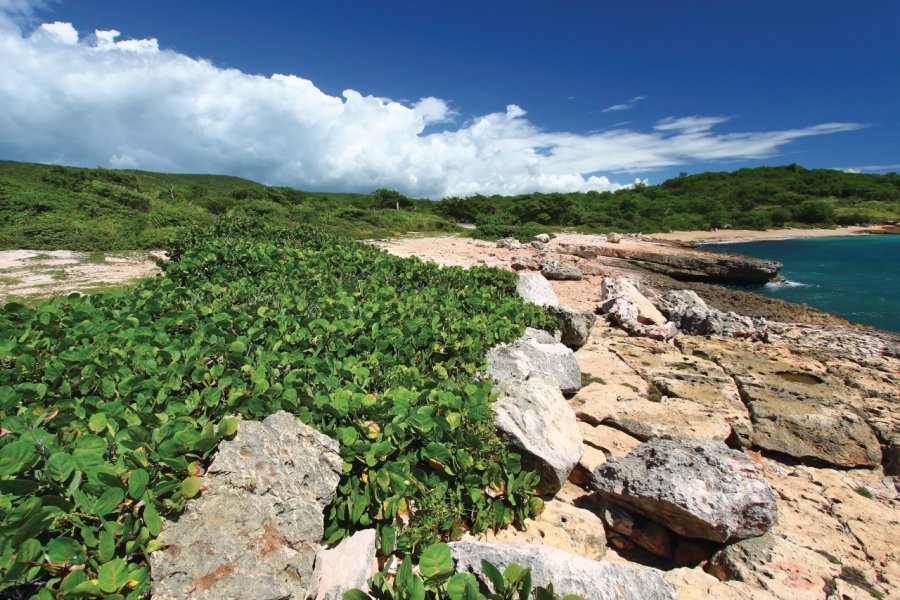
<point>854,277</point>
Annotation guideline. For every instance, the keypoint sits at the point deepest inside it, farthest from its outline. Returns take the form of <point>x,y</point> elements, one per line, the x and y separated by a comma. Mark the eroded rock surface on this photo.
<point>257,525</point>
<point>535,352</point>
<point>559,271</point>
<point>347,566</point>
<point>539,423</point>
<point>699,489</point>
<point>568,573</point>
<point>576,324</point>
<point>534,287</point>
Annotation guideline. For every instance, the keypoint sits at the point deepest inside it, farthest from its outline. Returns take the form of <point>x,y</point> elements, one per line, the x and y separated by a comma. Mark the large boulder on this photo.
<point>692,316</point>
<point>542,426</point>
<point>568,573</point>
<point>543,238</point>
<point>258,523</point>
<point>632,311</point>
<point>534,287</point>
<point>535,352</point>
<point>576,324</point>
<point>697,488</point>
<point>347,566</point>
<point>524,263</point>
<point>556,270</point>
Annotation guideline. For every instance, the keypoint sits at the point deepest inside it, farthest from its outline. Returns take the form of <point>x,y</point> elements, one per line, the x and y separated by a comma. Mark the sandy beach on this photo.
<point>746,235</point>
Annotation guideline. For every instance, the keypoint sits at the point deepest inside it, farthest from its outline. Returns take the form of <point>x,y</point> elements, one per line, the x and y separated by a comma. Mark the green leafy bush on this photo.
<point>110,406</point>
<point>436,580</point>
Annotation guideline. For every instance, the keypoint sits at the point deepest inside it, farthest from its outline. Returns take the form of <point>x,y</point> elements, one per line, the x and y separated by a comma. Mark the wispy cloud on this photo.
<point>98,99</point>
<point>625,105</point>
<point>872,168</point>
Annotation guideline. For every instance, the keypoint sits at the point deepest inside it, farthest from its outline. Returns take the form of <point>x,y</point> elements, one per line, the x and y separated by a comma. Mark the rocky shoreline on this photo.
<point>798,400</point>
<point>686,450</point>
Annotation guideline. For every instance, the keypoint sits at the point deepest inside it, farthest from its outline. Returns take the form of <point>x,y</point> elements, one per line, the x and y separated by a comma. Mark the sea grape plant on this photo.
<point>435,579</point>
<point>111,406</point>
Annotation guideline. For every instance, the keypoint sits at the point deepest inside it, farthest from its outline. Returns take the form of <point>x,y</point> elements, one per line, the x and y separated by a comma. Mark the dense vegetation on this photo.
<point>757,198</point>
<point>109,406</point>
<point>52,207</point>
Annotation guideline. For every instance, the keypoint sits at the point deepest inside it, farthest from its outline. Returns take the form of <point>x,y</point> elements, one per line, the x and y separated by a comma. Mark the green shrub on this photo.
<point>110,405</point>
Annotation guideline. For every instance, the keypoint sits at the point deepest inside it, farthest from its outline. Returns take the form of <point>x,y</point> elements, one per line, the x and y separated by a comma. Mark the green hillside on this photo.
<point>50,207</point>
<point>760,198</point>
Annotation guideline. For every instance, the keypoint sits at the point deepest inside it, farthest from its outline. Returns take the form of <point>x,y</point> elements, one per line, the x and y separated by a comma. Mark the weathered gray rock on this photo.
<point>347,566</point>
<point>542,426</point>
<point>738,561</point>
<point>534,287</point>
<point>523,263</point>
<point>558,271</point>
<point>576,324</point>
<point>683,263</point>
<point>692,316</point>
<point>535,352</point>
<point>613,238</point>
<point>538,245</point>
<point>632,311</point>
<point>543,238</point>
<point>568,573</point>
<point>697,488</point>
<point>509,243</point>
<point>257,526</point>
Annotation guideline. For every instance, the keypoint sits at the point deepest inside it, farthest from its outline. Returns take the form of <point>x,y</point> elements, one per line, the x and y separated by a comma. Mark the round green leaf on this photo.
<point>435,563</point>
<point>97,422</point>
<point>137,483</point>
<point>112,575</point>
<point>65,551</point>
<point>59,466</point>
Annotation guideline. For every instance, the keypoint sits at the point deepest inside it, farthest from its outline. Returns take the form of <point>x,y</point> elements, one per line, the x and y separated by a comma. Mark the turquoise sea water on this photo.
<point>857,277</point>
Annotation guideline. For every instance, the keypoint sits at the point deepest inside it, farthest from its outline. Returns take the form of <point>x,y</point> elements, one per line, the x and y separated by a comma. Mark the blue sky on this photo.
<point>521,95</point>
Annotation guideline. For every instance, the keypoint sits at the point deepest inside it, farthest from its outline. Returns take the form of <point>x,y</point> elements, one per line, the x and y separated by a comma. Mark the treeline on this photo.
<point>758,198</point>
<point>47,207</point>
<point>51,207</point>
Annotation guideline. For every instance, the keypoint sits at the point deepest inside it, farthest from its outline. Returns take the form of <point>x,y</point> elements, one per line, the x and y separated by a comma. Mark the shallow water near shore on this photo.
<point>856,277</point>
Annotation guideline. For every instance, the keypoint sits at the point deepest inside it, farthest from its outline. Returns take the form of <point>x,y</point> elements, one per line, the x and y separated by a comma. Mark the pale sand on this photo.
<point>746,235</point>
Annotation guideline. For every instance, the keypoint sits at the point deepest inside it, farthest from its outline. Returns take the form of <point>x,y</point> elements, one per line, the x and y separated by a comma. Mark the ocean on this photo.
<point>855,277</point>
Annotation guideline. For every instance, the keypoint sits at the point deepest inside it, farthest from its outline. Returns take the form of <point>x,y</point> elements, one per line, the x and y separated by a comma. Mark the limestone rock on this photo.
<point>257,526</point>
<point>576,324</point>
<point>543,238</point>
<point>613,238</point>
<point>509,243</point>
<point>556,270</point>
<point>691,314</point>
<point>560,525</point>
<point>608,439</point>
<point>682,263</point>
<point>542,426</point>
<point>523,263</point>
<point>534,287</point>
<point>541,246</point>
<point>535,352</point>
<point>568,573</point>
<point>694,584</point>
<point>796,406</point>
<point>347,566</point>
<point>698,489</point>
<point>632,311</point>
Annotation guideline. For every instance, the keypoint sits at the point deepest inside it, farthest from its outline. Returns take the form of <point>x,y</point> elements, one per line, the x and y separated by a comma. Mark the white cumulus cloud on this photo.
<point>103,99</point>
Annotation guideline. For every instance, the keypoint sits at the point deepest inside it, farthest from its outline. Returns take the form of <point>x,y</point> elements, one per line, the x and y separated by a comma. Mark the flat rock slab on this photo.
<point>568,573</point>
<point>540,424</point>
<point>697,488</point>
<point>797,407</point>
<point>257,526</point>
<point>535,352</point>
